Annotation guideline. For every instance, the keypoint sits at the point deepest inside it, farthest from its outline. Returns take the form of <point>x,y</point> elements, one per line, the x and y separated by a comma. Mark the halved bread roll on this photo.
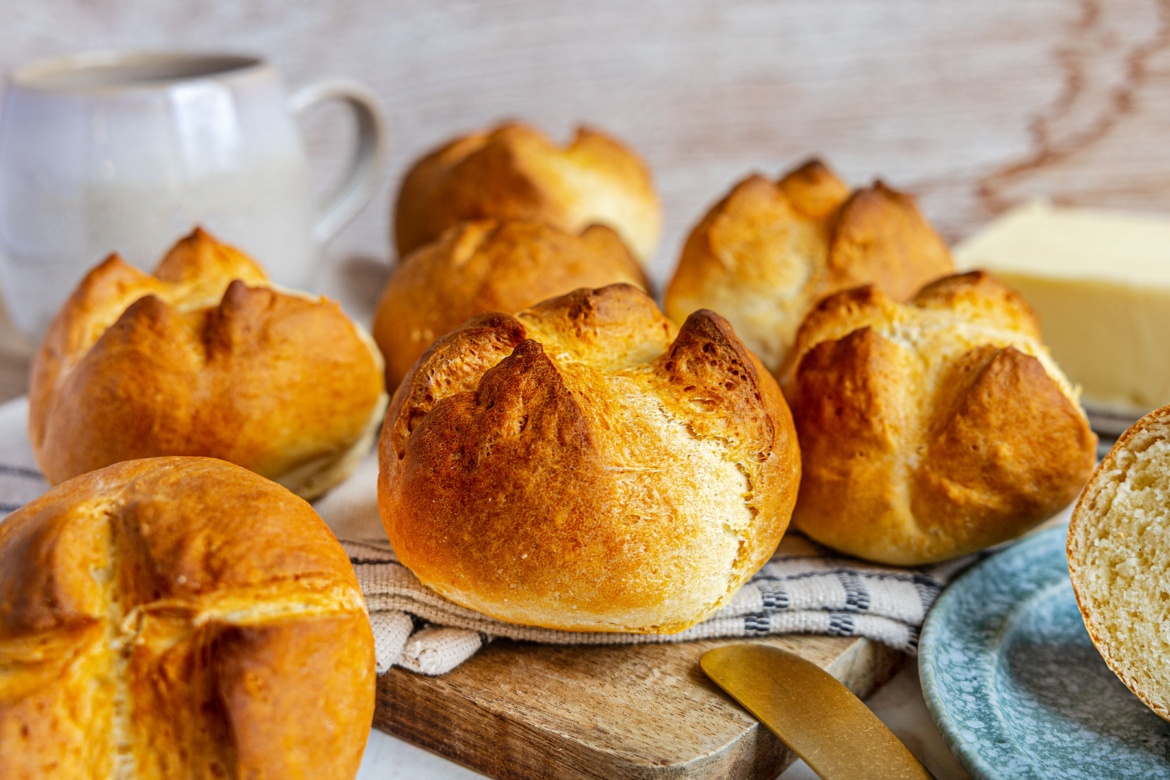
<point>1119,559</point>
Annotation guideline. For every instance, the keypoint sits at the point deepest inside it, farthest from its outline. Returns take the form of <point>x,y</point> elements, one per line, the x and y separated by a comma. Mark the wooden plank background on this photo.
<point>973,106</point>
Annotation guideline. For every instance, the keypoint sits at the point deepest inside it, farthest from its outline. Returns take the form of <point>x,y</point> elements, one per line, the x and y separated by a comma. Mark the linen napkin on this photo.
<point>804,588</point>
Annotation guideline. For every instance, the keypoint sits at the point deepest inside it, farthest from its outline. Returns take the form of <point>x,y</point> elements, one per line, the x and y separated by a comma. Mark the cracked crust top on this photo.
<point>488,265</point>
<point>769,251</point>
<point>515,172</point>
<point>931,429</point>
<point>203,357</point>
<point>176,618</point>
<point>584,465</point>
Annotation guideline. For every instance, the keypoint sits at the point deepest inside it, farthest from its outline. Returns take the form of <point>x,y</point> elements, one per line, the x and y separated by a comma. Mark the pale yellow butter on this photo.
<point>1100,282</point>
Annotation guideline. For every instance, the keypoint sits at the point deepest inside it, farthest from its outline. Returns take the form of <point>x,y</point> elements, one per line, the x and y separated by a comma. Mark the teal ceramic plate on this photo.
<point>1016,686</point>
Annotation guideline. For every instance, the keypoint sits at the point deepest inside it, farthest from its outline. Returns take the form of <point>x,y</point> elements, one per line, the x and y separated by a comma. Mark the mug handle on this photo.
<point>369,160</point>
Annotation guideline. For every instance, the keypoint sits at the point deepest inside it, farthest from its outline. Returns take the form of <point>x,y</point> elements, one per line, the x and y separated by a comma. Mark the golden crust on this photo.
<point>203,358</point>
<point>769,251</point>
<point>488,265</point>
<point>515,172</point>
<point>1125,659</point>
<point>931,429</point>
<point>182,615</point>
<point>583,465</point>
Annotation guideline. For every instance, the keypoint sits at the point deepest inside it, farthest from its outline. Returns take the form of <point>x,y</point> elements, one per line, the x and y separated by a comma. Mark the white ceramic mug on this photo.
<point>128,151</point>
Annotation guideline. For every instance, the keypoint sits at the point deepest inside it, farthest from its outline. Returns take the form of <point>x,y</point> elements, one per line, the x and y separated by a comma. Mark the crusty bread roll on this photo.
<point>515,172</point>
<point>482,266</point>
<point>179,618</point>
<point>769,251</point>
<point>1119,559</point>
<point>932,429</point>
<point>204,357</point>
<point>583,465</point>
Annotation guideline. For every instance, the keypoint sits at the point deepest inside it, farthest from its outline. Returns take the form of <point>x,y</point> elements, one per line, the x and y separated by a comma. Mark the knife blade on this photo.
<point>812,713</point>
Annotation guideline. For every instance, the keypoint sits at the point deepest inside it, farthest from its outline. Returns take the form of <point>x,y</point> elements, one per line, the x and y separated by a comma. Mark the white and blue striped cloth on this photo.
<point>802,589</point>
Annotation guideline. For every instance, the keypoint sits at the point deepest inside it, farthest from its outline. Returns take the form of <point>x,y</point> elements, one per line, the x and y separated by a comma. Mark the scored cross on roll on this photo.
<point>179,618</point>
<point>514,171</point>
<point>204,357</point>
<point>934,428</point>
<point>489,265</point>
<point>586,465</point>
<point>765,254</point>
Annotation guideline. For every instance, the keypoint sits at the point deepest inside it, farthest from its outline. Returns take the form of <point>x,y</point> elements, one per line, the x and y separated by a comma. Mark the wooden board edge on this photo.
<point>473,736</point>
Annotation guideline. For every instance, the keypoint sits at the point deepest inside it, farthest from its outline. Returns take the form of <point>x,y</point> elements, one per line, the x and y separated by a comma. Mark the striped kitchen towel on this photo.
<point>804,588</point>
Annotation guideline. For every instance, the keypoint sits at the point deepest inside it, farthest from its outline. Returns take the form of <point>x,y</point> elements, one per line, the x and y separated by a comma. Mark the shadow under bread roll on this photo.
<point>586,465</point>
<point>179,618</point>
<point>488,265</point>
<point>932,429</point>
<point>204,357</point>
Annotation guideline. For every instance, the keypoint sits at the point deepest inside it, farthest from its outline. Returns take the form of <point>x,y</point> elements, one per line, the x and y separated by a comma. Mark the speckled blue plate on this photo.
<point>1017,688</point>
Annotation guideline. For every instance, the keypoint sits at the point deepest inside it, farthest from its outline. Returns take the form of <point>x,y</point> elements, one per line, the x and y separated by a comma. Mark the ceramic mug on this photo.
<point>128,151</point>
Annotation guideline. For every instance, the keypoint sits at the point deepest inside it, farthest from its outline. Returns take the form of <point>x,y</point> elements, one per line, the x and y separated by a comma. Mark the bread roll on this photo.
<point>515,172</point>
<point>1119,559</point>
<point>932,429</point>
<point>584,465</point>
<point>769,251</point>
<point>487,265</point>
<point>178,618</point>
<point>204,357</point>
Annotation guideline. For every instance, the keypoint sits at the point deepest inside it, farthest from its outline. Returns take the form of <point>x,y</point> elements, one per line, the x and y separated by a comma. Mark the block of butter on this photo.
<point>1100,282</point>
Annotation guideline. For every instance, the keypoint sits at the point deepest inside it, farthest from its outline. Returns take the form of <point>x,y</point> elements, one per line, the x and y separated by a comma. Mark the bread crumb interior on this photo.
<point>1124,575</point>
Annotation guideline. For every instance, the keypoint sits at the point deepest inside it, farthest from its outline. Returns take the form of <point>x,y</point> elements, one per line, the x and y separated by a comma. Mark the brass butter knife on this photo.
<point>812,713</point>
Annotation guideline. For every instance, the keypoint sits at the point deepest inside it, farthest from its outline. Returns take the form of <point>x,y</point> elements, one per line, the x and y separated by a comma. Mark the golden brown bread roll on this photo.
<point>179,618</point>
<point>204,357</point>
<point>515,172</point>
<point>482,266</point>
<point>769,251</point>
<point>584,465</point>
<point>1119,559</point>
<point>931,429</point>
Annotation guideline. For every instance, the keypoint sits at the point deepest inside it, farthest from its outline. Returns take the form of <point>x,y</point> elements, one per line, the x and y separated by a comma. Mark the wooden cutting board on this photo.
<point>518,710</point>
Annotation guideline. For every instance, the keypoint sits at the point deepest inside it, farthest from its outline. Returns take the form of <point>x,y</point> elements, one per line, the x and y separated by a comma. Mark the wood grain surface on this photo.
<point>639,712</point>
<point>974,106</point>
